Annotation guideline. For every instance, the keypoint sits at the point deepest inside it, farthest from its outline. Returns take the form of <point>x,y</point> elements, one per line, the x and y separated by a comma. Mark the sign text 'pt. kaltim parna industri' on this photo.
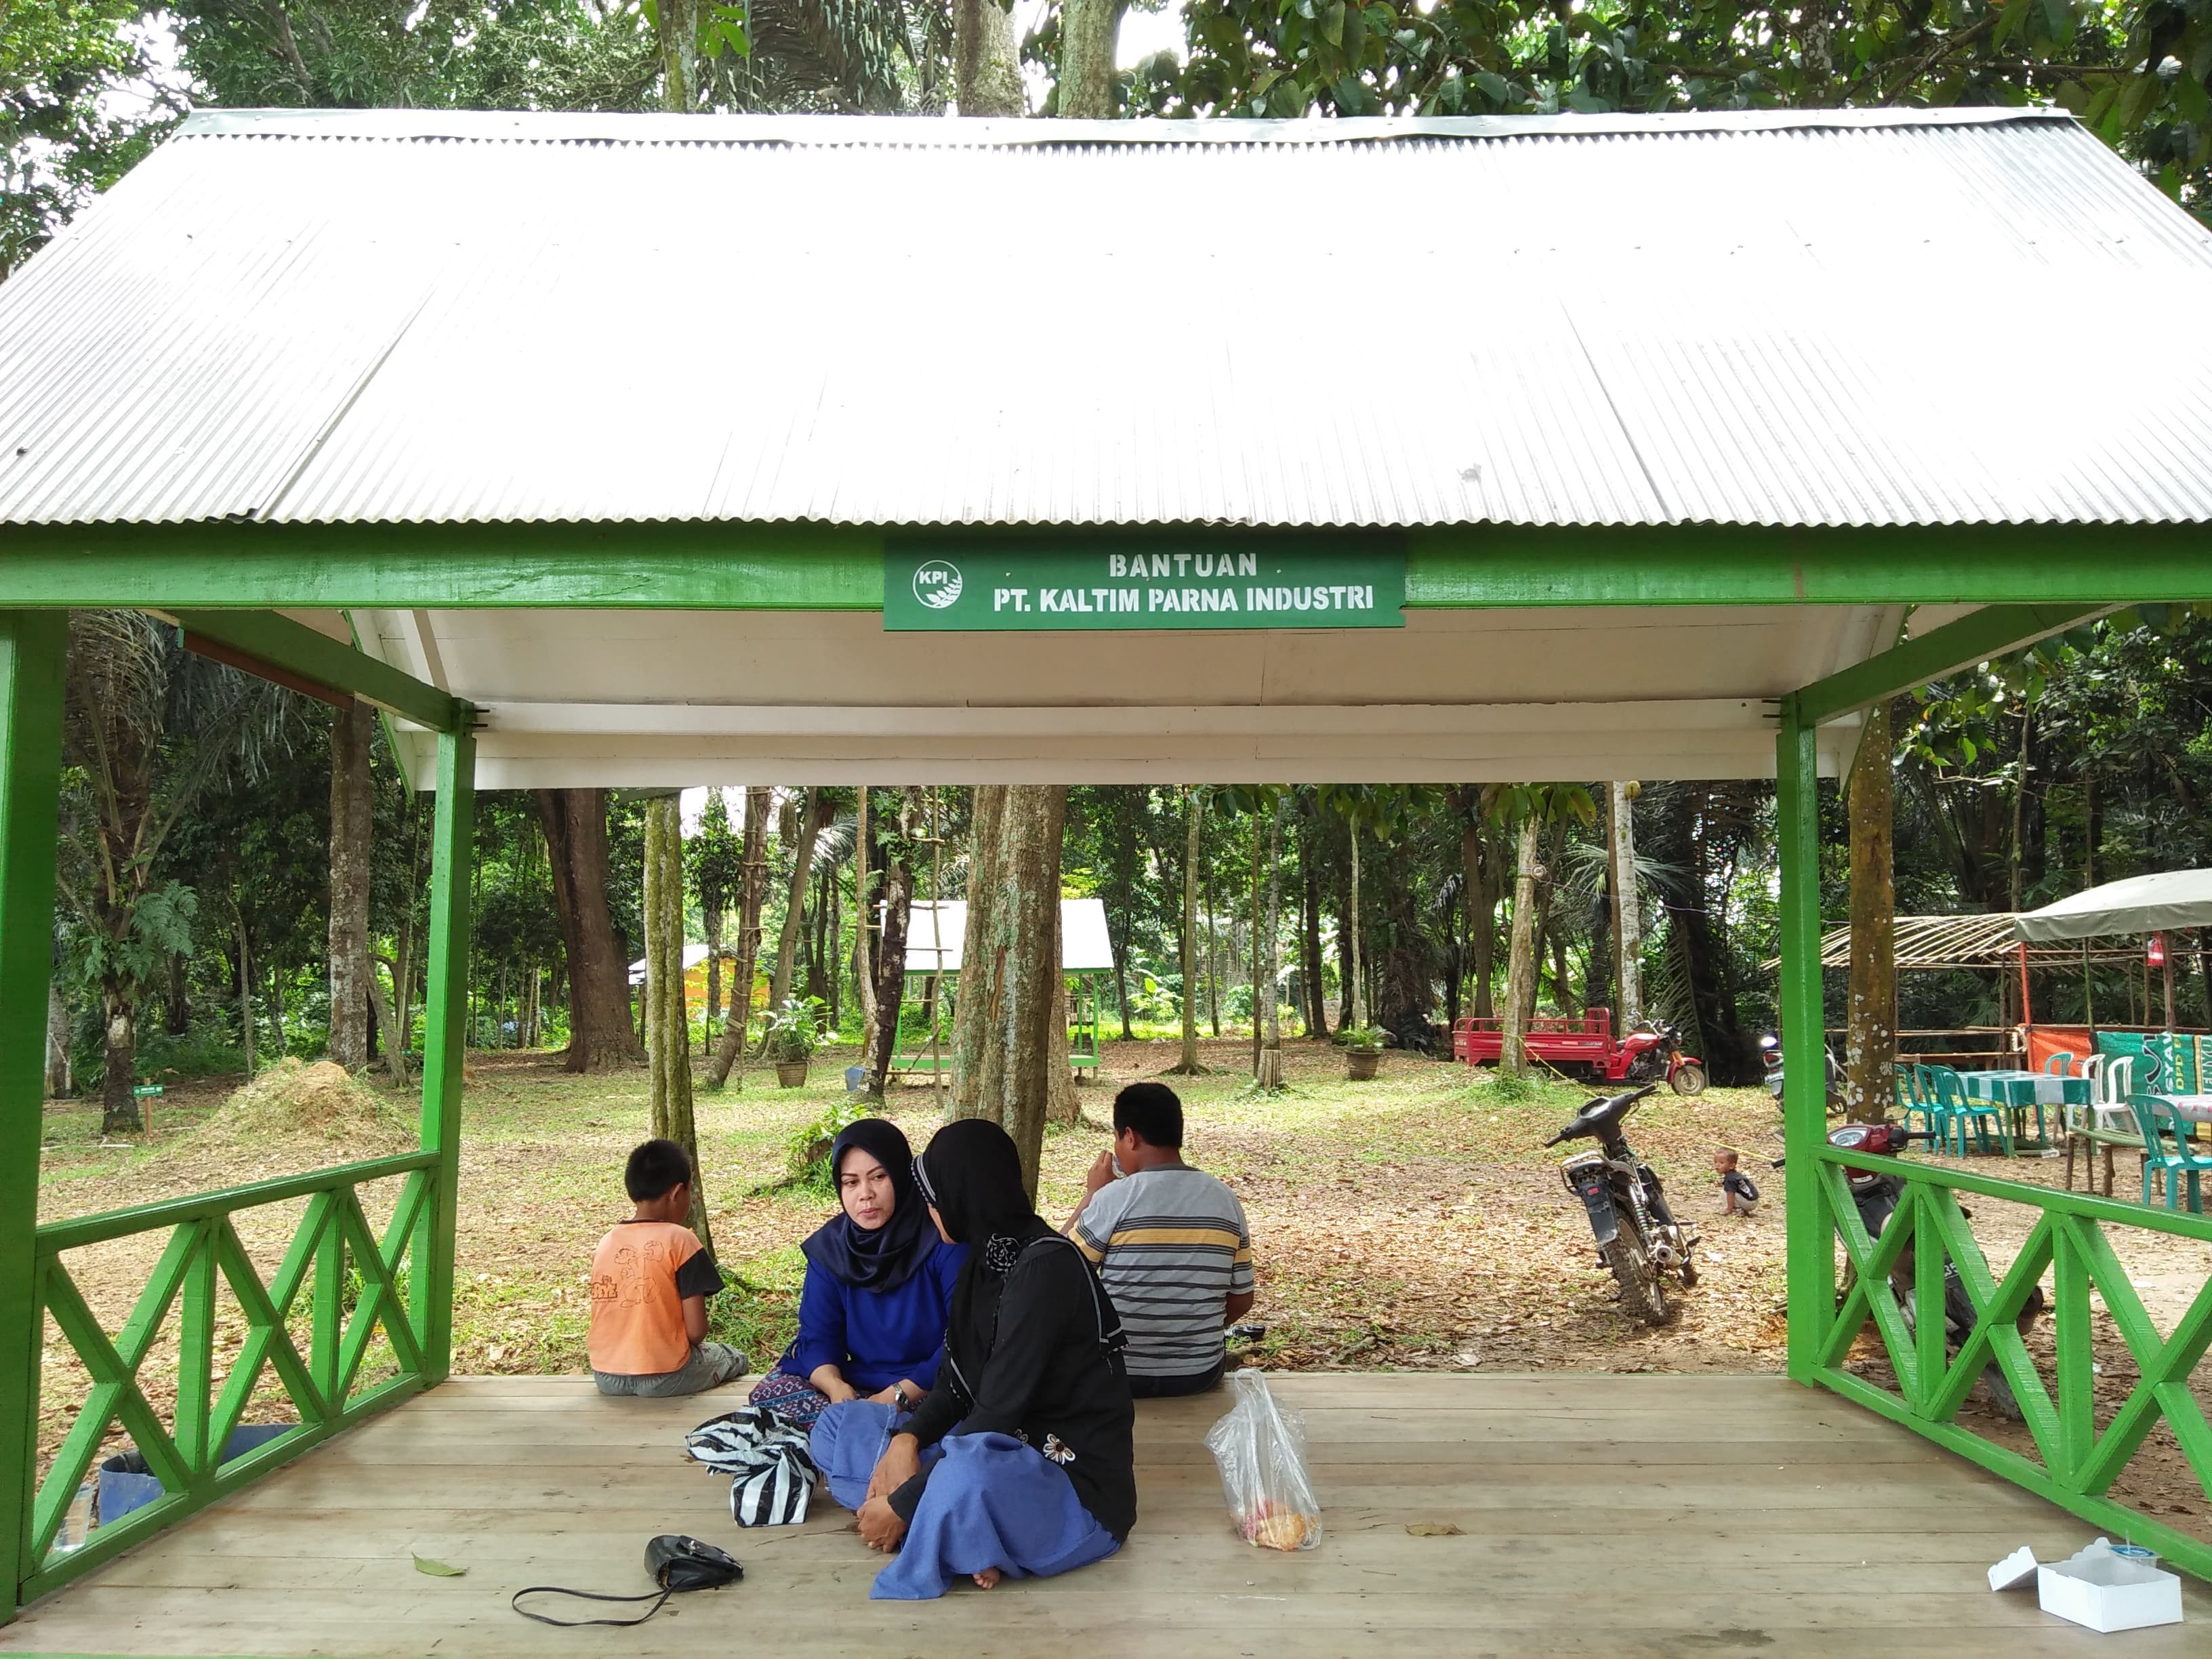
<point>1306,585</point>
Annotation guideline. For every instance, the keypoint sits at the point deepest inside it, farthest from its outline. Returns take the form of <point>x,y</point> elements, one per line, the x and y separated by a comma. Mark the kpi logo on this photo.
<point>937,584</point>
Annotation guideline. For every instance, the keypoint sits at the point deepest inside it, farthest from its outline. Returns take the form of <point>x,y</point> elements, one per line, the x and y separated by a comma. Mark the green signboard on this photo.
<point>942,585</point>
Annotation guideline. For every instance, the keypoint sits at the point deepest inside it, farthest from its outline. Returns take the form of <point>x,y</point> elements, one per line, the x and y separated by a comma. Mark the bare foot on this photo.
<point>988,1579</point>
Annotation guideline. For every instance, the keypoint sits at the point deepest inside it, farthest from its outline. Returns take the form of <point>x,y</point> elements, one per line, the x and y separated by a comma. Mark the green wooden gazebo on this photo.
<point>658,451</point>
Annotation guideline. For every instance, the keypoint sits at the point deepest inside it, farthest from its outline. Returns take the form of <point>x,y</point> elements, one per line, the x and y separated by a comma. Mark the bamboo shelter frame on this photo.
<point>229,585</point>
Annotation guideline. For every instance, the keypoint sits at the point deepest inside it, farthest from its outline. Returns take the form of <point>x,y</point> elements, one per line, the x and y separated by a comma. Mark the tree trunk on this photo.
<point>1009,966</point>
<point>1316,989</point>
<point>987,68</point>
<point>1187,1064</point>
<point>890,958</point>
<point>600,1035</point>
<point>679,55</point>
<point>352,731</point>
<point>864,919</point>
<point>1870,1022</point>
<point>1270,1069</point>
<point>277,1037</point>
<point>1356,989</point>
<point>120,1018</point>
<point>247,1032</point>
<point>752,888</point>
<point>395,1048</point>
<point>1089,31</point>
<point>177,1006</point>
<point>1491,854</point>
<point>1259,920</point>
<point>1521,957</point>
<point>1062,1104</point>
<point>667,1022</point>
<point>59,1083</point>
<point>794,914</point>
<point>1212,952</point>
<point>1628,922</point>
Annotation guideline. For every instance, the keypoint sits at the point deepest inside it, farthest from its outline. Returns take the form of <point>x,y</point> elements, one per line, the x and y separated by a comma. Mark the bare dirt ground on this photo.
<point>1413,1222</point>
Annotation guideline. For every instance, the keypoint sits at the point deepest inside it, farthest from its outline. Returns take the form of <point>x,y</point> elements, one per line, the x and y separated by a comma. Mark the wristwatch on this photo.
<point>899,1399</point>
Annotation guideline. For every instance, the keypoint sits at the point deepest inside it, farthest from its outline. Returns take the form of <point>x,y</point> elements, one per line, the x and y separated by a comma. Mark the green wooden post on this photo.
<point>445,1041</point>
<point>32,648</point>
<point>1811,1251</point>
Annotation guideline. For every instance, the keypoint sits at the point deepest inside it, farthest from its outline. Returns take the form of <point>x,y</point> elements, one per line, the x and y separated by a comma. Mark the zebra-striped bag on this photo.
<point>772,1475</point>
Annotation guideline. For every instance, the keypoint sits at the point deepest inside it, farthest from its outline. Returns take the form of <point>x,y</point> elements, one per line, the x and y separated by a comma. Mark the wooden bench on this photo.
<point>2091,1140</point>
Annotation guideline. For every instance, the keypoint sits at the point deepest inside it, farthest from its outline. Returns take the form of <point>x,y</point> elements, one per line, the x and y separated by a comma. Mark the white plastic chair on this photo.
<point>2115,1082</point>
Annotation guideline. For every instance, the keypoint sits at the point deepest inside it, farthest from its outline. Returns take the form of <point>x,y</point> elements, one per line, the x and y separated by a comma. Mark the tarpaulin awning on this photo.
<point>2141,904</point>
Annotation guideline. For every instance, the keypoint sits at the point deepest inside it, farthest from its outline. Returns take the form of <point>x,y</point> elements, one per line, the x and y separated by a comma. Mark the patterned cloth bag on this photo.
<point>772,1475</point>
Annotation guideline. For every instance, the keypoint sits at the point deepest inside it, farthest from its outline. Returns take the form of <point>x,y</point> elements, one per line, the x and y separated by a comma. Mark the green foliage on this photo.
<point>1362,1036</point>
<point>69,127</point>
<point>807,1154</point>
<point>795,1029</point>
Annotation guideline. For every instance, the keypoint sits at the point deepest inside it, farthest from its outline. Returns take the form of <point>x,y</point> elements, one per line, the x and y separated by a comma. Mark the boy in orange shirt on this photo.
<point>650,1281</point>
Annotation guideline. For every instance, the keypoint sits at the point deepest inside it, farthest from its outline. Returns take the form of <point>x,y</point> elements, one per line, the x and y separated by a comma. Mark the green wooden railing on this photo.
<point>2075,1463</point>
<point>334,1256</point>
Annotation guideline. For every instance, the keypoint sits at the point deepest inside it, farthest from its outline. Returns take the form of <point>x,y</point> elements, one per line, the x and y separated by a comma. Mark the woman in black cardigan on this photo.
<point>1021,1462</point>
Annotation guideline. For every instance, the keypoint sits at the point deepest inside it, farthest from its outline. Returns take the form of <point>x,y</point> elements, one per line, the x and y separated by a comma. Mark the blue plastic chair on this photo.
<point>2155,1118</point>
<point>1962,1111</point>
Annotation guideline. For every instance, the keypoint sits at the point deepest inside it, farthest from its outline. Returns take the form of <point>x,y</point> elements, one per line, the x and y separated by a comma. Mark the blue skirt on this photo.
<point>991,1501</point>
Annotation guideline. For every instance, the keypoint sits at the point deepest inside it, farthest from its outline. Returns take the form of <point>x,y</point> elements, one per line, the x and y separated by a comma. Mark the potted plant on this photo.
<point>1363,1051</point>
<point>794,1031</point>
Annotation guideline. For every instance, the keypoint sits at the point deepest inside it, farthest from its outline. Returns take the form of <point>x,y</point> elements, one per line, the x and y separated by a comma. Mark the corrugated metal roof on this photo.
<point>1840,318</point>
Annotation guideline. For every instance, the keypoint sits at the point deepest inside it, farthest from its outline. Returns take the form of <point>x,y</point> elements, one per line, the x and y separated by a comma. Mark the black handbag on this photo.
<point>675,1563</point>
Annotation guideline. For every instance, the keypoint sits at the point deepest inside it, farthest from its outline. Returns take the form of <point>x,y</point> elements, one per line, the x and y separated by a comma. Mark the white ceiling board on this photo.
<point>674,698</point>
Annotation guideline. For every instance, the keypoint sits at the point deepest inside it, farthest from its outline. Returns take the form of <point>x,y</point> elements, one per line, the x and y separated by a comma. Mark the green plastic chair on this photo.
<point>1962,1111</point>
<point>2156,1119</point>
<point>2059,1064</point>
<point>1916,1096</point>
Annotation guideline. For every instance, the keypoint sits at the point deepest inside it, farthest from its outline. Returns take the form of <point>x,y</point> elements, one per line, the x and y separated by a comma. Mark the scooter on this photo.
<point>1637,1236</point>
<point>1770,1053</point>
<point>1876,1197</point>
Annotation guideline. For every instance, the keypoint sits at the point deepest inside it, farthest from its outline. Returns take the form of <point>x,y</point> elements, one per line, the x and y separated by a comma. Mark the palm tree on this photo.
<point>148,729</point>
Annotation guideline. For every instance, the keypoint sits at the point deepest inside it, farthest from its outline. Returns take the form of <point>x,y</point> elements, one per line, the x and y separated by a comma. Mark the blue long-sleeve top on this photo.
<point>877,1338</point>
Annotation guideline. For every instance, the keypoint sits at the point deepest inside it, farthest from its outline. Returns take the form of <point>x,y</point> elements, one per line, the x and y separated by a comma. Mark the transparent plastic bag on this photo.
<point>1260,1450</point>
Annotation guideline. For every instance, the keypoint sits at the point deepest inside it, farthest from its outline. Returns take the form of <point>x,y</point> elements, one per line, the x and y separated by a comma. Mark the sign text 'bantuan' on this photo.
<point>941,587</point>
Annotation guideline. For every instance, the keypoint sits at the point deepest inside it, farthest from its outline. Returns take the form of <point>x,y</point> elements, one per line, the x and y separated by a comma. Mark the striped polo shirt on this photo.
<point>1172,1248</point>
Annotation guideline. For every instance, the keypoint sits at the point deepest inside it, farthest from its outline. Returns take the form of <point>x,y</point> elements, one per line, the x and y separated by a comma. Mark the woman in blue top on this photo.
<point>872,1312</point>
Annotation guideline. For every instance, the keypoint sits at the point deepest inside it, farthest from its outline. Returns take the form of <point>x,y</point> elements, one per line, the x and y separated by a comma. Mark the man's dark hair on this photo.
<point>654,1171</point>
<point>1152,1112</point>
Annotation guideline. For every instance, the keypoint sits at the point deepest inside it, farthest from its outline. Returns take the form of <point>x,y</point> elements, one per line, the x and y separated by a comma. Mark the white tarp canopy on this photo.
<point>693,956</point>
<point>1086,947</point>
<point>2141,904</point>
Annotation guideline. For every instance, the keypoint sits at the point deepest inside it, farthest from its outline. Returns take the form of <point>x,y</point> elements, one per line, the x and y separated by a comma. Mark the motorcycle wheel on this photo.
<point>1689,1078</point>
<point>1641,1292</point>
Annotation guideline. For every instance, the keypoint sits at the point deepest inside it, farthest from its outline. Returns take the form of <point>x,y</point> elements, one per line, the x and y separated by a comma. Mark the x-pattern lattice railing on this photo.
<point>2078,1463</point>
<point>333,1233</point>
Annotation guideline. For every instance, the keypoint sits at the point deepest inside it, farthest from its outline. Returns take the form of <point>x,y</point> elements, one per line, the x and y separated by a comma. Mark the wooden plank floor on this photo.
<point>1618,1516</point>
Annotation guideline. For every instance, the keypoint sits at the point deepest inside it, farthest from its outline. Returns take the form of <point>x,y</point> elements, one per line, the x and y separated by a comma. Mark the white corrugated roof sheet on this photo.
<point>395,316</point>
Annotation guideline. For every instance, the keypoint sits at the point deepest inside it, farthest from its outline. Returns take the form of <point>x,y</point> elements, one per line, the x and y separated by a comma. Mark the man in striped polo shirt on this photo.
<point>1171,1243</point>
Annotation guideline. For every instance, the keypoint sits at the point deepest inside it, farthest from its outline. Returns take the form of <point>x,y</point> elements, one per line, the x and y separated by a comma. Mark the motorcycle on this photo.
<point>1769,1052</point>
<point>1875,1195</point>
<point>1637,1236</point>
<point>1655,1052</point>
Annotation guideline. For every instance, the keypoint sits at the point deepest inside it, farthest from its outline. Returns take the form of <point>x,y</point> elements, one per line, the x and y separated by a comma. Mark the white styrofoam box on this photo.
<point>2014,1571</point>
<point>2107,1591</point>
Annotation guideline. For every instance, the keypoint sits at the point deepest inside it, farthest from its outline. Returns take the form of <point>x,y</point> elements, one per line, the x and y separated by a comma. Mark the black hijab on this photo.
<point>885,1259</point>
<point>972,1175</point>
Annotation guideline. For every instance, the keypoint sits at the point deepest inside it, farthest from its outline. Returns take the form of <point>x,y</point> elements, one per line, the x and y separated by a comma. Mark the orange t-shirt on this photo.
<point>637,1309</point>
